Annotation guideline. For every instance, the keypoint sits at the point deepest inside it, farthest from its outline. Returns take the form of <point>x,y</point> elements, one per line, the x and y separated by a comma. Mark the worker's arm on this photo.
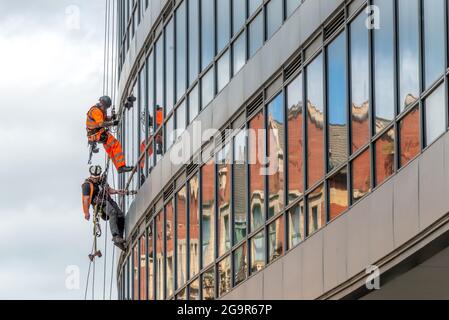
<point>103,122</point>
<point>86,205</point>
<point>121,192</point>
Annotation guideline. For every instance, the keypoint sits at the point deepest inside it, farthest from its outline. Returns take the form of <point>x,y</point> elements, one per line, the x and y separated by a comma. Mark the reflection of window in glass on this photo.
<point>255,34</point>
<point>182,295</point>
<point>130,275</point>
<point>194,104</point>
<point>296,225</point>
<point>239,53</point>
<point>194,290</point>
<point>180,119</point>
<point>384,69</point>
<point>160,283</point>
<point>276,136</point>
<point>135,273</point>
<point>169,134</point>
<point>223,71</point>
<point>240,264</point>
<point>151,98</point>
<point>223,23</point>
<point>208,284</point>
<point>257,252</point>
<point>170,248</point>
<point>361,176</point>
<point>295,105</point>
<point>338,193</point>
<point>240,187</point>
<point>276,239</point>
<point>291,6</point>
<point>207,33</point>
<point>224,276</point>
<point>359,83</point>
<point>238,15</point>
<point>143,116</point>
<point>253,5</point>
<point>315,120</point>
<point>159,142</point>
<point>169,66</point>
<point>181,234</point>
<point>336,92</point>
<point>316,212</point>
<point>194,225</point>
<point>385,153</point>
<point>150,263</point>
<point>434,53</point>
<point>143,267</point>
<point>208,213</point>
<point>181,50</point>
<point>224,200</point>
<point>435,115</point>
<point>207,88</point>
<point>194,41</point>
<point>408,52</point>
<point>256,152</point>
<point>275,16</point>
<point>409,136</point>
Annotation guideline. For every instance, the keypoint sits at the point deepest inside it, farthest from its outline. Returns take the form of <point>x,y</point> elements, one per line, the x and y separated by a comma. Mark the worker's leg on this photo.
<point>114,213</point>
<point>114,150</point>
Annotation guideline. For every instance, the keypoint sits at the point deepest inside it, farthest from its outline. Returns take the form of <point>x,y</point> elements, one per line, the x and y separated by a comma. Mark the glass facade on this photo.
<point>341,124</point>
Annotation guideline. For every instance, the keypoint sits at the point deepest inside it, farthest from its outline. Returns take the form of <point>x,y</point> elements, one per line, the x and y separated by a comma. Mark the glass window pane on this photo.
<point>223,71</point>
<point>384,69</point>
<point>315,120</point>
<point>194,40</point>
<point>256,34</point>
<point>296,225</point>
<point>224,276</point>
<point>410,137</point>
<point>253,5</point>
<point>170,247</point>
<point>150,262</point>
<point>160,283</point>
<point>408,52</point>
<point>434,52</point>
<point>208,213</point>
<point>435,115</point>
<point>295,104</point>
<point>224,200</point>
<point>181,51</point>
<point>385,153</point>
<point>238,15</point>
<point>169,133</point>
<point>338,193</point>
<point>336,91</point>
<point>194,225</point>
<point>239,53</point>
<point>240,187</point>
<point>135,273</point>
<point>240,264</point>
<point>194,290</point>
<point>180,119</point>
<point>159,141</point>
<point>142,112</point>
<point>143,268</point>
<point>182,295</point>
<point>276,138</point>
<point>223,23</point>
<point>275,17</point>
<point>159,75</point>
<point>207,33</point>
<point>291,6</point>
<point>258,252</point>
<point>361,176</point>
<point>181,234</point>
<point>194,104</point>
<point>169,66</point>
<point>208,284</point>
<point>316,211</point>
<point>151,98</point>
<point>359,83</point>
<point>256,153</point>
<point>276,233</point>
<point>207,88</point>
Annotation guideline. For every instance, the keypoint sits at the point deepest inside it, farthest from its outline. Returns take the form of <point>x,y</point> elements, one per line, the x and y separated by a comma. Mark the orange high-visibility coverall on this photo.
<point>96,133</point>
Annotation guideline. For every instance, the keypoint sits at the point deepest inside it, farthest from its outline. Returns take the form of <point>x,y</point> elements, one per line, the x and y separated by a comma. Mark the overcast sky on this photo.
<point>51,73</point>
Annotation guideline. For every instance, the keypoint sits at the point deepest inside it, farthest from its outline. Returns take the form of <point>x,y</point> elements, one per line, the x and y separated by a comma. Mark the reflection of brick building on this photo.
<point>315,143</point>
<point>295,150</point>
<point>360,125</point>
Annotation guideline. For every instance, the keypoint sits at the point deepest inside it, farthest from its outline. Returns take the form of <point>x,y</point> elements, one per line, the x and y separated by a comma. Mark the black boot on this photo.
<point>125,169</point>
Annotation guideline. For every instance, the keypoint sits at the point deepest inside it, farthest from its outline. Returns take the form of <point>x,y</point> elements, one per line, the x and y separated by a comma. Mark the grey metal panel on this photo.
<point>273,281</point>
<point>166,168</point>
<point>406,217</point>
<point>292,283</point>
<point>433,204</point>
<point>312,276</point>
<point>254,288</point>
<point>335,253</point>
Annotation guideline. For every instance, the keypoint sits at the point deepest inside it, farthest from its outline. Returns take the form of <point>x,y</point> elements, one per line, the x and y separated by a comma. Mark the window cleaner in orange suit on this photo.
<point>97,125</point>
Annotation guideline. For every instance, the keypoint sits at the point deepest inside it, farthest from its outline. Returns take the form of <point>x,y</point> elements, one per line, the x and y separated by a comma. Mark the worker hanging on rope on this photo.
<point>97,192</point>
<point>97,125</point>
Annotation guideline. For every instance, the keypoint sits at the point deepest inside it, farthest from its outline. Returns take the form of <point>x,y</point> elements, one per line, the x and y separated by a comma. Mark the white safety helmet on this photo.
<point>95,171</point>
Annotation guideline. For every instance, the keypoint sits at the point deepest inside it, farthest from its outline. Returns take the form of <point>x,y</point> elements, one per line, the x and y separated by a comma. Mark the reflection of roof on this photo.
<point>338,144</point>
<point>360,113</point>
<point>315,115</point>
